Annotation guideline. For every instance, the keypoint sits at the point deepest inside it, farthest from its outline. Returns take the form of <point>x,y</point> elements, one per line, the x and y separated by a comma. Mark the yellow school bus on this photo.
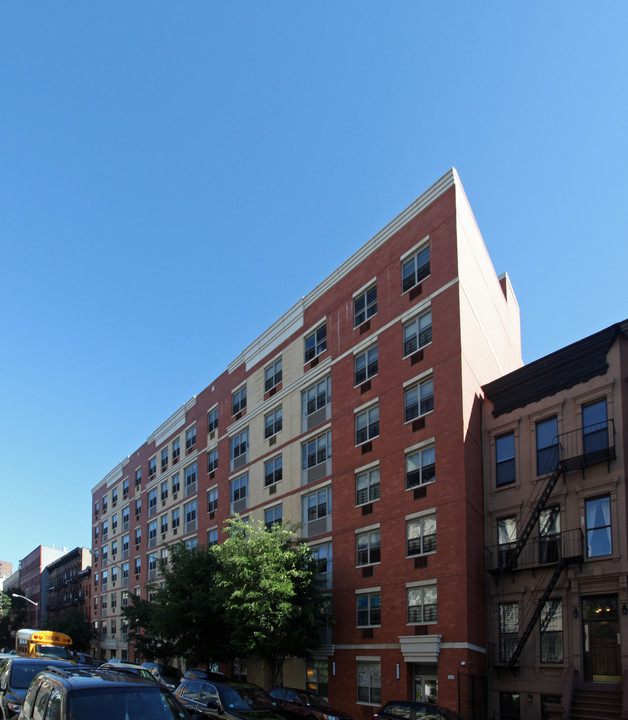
<point>43,644</point>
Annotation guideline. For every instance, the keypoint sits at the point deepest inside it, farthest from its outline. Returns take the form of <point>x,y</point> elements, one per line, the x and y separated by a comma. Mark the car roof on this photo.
<point>80,678</point>
<point>224,682</point>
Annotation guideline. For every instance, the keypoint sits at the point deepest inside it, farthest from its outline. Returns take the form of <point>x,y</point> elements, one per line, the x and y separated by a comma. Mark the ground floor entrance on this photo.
<point>601,638</point>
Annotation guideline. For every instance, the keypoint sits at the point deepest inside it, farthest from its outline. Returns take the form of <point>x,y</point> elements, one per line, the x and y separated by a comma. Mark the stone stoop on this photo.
<point>596,701</point>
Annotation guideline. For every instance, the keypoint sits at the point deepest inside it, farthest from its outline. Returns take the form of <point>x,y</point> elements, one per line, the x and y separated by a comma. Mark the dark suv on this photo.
<point>16,673</point>
<point>415,710</point>
<point>81,694</point>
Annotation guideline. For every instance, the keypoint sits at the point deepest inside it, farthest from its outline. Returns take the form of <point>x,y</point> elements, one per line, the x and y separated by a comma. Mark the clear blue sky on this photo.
<point>175,175</point>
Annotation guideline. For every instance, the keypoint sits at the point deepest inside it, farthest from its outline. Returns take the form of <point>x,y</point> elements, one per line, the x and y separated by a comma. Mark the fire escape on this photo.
<point>546,554</point>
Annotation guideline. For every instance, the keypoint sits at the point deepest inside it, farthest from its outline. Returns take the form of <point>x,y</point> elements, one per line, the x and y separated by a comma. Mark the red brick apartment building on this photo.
<point>556,516</point>
<point>69,587</point>
<point>359,414</point>
<point>31,586</point>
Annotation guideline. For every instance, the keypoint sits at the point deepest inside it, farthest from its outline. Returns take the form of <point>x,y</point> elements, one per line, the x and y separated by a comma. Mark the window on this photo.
<point>598,518</point>
<point>190,438</point>
<point>176,484</point>
<point>164,458</point>
<point>114,497</point>
<point>273,471</point>
<point>508,630</point>
<point>419,399</point>
<point>505,459</point>
<point>238,401</point>
<point>152,502</point>
<point>546,446</point>
<point>317,512</point>
<point>272,375</point>
<point>125,487</point>
<point>509,706</point>
<point>239,449</point>
<point>190,480</point>
<point>138,477</point>
<point>369,609</point>
<point>138,537</point>
<point>506,540</point>
<point>368,548</point>
<point>366,365</point>
<point>316,404</point>
<point>212,538</point>
<point>552,632</point>
<point>549,535</point>
<point>316,342</point>
<point>152,467</point>
<point>190,510</point>
<point>152,534</point>
<point>369,683</point>
<point>595,427</point>
<point>212,420</point>
<point>212,460</point>
<point>364,306</point>
<point>164,524</point>
<point>367,425</point>
<point>415,269</point>
<point>420,467</point>
<point>367,486</point>
<point>114,523</point>
<point>272,423</point>
<point>322,554</point>
<point>105,579</point>
<point>114,548</point>
<point>138,565</point>
<point>240,492</point>
<point>105,504</point>
<point>212,500</point>
<point>273,516</point>
<point>126,512</point>
<point>176,517</point>
<point>164,490</point>
<point>176,450</point>
<point>105,530</point>
<point>316,451</point>
<point>96,508</point>
<point>152,565</point>
<point>138,508</point>
<point>421,534</point>
<point>422,604</point>
<point>417,333</point>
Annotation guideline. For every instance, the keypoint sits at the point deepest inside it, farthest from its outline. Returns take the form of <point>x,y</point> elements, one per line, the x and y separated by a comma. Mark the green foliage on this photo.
<point>75,624</point>
<point>13,616</point>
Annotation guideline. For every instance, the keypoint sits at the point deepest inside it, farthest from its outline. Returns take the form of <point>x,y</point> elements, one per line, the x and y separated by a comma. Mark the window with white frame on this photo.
<point>138,537</point>
<point>366,365</point>
<point>190,479</point>
<point>212,460</point>
<point>190,511</point>
<point>114,497</point>
<point>364,305</point>
<point>316,342</point>
<point>369,609</point>
<point>322,554</point>
<point>367,486</point>
<point>126,512</point>
<point>273,422</point>
<point>273,471</point>
<point>368,548</point>
<point>152,565</point>
<point>239,449</point>
<point>316,512</point>
<point>421,534</point>
<point>422,604</point>
<point>114,522</point>
<point>138,566</point>
<point>138,477</point>
<point>417,333</point>
<point>316,451</point>
<point>415,269</point>
<point>125,488</point>
<point>212,420</point>
<point>190,438</point>
<point>316,404</point>
<point>506,539</point>
<point>212,537</point>
<point>176,518</point>
<point>419,399</point>
<point>176,484</point>
<point>152,502</point>
<point>164,524</point>
<point>126,541</point>
<point>240,491</point>
<point>546,445</point>
<point>212,500</point>
<point>598,526</point>
<point>164,490</point>
<point>152,533</point>
<point>164,458</point>
<point>367,424</point>
<point>176,450</point>
<point>273,375</point>
<point>273,516</point>
<point>238,400</point>
<point>152,467</point>
<point>369,682</point>
<point>420,466</point>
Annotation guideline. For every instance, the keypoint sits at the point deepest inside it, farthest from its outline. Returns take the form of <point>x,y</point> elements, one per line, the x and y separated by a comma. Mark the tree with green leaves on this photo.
<point>273,602</point>
<point>73,623</point>
<point>13,616</point>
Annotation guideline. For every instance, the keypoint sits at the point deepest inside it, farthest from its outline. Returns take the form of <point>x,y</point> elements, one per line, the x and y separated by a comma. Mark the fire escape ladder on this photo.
<point>534,515</point>
<point>536,614</point>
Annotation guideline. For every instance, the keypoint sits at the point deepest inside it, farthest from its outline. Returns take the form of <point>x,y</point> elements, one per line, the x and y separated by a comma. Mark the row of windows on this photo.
<point>551,631</point>
<point>421,606</point>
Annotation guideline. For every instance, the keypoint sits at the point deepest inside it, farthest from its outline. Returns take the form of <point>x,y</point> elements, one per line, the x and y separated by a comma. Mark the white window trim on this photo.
<point>314,327</point>
<point>416,311</point>
<point>413,250</point>
<point>315,433</point>
<point>420,446</point>
<point>271,505</point>
<point>420,514</point>
<point>367,591</point>
<point>365,345</point>
<point>418,378</point>
<point>369,528</point>
<point>323,541</point>
<point>420,583</point>
<point>365,287</point>
<point>366,406</point>
<point>366,468</point>
<point>312,490</point>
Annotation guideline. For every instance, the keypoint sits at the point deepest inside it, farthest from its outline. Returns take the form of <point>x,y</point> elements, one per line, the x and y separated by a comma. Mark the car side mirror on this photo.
<point>213,704</point>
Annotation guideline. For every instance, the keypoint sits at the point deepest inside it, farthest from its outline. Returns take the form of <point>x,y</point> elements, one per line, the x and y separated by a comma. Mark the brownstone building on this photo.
<point>68,583</point>
<point>357,413</point>
<point>31,585</point>
<point>555,532</point>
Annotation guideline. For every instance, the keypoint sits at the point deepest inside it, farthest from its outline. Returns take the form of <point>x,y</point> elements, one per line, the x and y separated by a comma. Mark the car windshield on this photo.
<point>170,674</point>
<point>245,698</point>
<point>53,651</point>
<point>122,703</point>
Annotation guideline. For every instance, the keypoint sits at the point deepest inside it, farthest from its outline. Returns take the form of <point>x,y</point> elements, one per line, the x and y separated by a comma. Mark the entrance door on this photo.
<point>425,688</point>
<point>601,639</point>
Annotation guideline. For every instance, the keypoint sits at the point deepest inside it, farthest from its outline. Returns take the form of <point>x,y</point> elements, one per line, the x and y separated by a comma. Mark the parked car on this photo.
<point>16,673</point>
<point>414,710</point>
<point>130,669</point>
<point>167,675</point>
<point>306,704</point>
<point>79,694</point>
<point>227,700</point>
<point>86,659</point>
<point>201,674</point>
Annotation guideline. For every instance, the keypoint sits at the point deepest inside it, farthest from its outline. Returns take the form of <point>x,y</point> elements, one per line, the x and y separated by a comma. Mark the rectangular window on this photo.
<point>164,524</point>
<point>316,509</point>
<point>105,504</point>
<point>415,269</point>
<point>552,632</point>
<point>364,306</point>
<point>212,460</point>
<point>114,497</point>
<point>138,565</point>
<point>505,459</point>
<point>190,479</point>
<point>164,458</point>
<point>272,516</point>
<point>164,490</point>
<point>114,523</point>
<point>369,609</point>
<point>273,471</point>
<point>152,502</point>
<point>316,404</point>
<point>138,477</point>
<point>316,342</point>
<point>417,333</point>
<point>316,458</point>
<point>125,487</point>
<point>420,467</point>
<point>126,512</point>
<point>212,500</point>
<point>323,556</point>
<point>506,540</point>
<point>366,365</point>
<point>598,517</point>
<point>509,706</point>
<point>422,604</point>
<point>239,450</point>
<point>212,420</point>
<point>176,484</point>
<point>367,425</point>
<point>546,446</point>
<point>238,400</point>
<point>126,540</point>
<point>240,492</point>
<point>138,537</point>
<point>368,549</point>
<point>273,375</point>
<point>152,534</point>
<point>152,467</point>
<point>508,630</point>
<point>190,510</point>
<point>419,399</point>
<point>176,518</point>
<point>595,428</point>
<point>176,450</point>
<point>273,423</point>
<point>190,438</point>
<point>369,683</point>
<point>421,534</point>
<point>549,535</point>
<point>367,487</point>
<point>212,538</point>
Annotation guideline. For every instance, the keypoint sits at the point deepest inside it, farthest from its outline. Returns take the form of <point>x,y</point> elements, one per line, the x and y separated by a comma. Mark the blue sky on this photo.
<point>175,175</point>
